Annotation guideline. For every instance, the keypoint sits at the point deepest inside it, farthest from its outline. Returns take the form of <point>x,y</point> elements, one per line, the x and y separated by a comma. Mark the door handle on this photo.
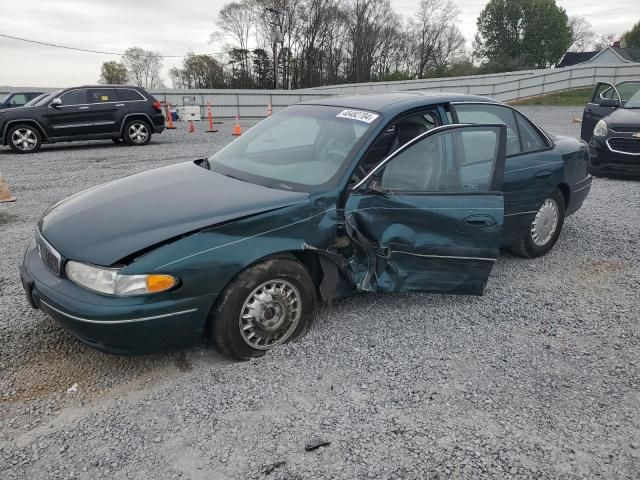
<point>480,220</point>
<point>120,105</point>
<point>543,174</point>
<point>83,108</point>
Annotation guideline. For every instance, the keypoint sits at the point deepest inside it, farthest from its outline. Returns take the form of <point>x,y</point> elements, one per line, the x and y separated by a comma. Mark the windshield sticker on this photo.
<point>360,115</point>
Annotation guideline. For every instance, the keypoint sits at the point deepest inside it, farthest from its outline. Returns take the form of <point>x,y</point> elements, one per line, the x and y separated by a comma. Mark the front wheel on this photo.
<point>544,230</point>
<point>137,132</point>
<point>266,305</point>
<point>24,139</point>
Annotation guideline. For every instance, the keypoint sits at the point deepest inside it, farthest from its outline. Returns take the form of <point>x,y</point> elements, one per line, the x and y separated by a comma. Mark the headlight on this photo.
<point>601,129</point>
<point>110,282</point>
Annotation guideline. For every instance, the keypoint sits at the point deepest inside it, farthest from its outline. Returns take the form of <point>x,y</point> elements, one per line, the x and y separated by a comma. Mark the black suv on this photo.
<point>17,99</point>
<point>117,112</point>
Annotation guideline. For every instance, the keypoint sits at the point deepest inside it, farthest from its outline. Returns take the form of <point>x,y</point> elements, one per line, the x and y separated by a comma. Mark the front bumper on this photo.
<point>121,325</point>
<point>602,161</point>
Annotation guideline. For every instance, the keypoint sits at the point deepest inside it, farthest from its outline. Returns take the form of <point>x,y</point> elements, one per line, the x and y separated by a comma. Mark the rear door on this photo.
<point>107,110</point>
<point>593,112</point>
<point>428,217</point>
<point>529,167</point>
<point>72,118</point>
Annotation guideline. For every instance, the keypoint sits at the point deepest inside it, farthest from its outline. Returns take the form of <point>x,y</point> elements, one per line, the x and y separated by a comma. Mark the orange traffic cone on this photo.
<point>192,127</point>
<point>210,115</point>
<point>5,193</point>
<point>237,130</point>
<point>169,118</point>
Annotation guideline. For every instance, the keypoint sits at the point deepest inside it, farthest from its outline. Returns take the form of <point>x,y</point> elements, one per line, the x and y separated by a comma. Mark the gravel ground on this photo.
<point>539,378</point>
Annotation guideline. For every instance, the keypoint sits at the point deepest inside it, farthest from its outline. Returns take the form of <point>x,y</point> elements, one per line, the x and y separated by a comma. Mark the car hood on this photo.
<point>624,117</point>
<point>112,221</point>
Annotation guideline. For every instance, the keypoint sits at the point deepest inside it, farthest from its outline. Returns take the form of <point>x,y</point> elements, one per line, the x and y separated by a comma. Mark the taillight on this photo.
<point>157,105</point>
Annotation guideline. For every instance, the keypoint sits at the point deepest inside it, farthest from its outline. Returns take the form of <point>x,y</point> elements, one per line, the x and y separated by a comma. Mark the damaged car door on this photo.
<point>429,216</point>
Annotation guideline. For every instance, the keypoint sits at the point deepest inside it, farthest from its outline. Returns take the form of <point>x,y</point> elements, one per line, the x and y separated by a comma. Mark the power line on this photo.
<point>86,50</point>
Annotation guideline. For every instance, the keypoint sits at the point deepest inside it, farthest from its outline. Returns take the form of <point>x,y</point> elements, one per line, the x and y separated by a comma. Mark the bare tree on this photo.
<point>143,67</point>
<point>604,41</point>
<point>436,37</point>
<point>237,20</point>
<point>582,34</point>
<point>336,41</point>
<point>366,20</point>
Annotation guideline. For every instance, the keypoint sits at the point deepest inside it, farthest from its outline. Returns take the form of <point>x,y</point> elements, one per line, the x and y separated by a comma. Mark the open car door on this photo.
<point>605,98</point>
<point>429,216</point>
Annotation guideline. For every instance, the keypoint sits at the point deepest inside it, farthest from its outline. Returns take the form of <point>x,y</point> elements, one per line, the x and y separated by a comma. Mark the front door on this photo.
<point>429,216</point>
<point>72,117</point>
<point>593,111</point>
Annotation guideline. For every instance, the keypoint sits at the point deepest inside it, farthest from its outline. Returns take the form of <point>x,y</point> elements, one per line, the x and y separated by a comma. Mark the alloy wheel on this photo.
<point>545,224</point>
<point>24,139</point>
<point>138,132</point>
<point>270,314</point>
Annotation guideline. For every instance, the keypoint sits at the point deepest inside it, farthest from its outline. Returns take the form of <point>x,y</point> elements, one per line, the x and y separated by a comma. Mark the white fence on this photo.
<point>503,86</point>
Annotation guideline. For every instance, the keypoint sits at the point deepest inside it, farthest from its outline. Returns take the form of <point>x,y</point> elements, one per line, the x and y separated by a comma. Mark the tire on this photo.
<point>24,138</point>
<point>137,132</point>
<point>267,286</point>
<point>537,243</point>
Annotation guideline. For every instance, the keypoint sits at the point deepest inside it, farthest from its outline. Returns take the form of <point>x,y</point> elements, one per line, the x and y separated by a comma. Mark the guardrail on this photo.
<point>503,86</point>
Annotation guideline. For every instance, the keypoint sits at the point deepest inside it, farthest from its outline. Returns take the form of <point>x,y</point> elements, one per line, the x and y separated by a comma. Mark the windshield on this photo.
<point>303,146</point>
<point>634,100</point>
<point>43,100</point>
<point>36,100</point>
<point>5,98</point>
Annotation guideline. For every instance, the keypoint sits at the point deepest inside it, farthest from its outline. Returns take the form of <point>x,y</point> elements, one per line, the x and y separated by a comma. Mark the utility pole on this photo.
<point>277,37</point>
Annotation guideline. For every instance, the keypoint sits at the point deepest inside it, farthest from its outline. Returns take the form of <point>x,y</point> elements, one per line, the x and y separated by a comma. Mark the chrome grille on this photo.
<point>50,257</point>
<point>625,129</point>
<point>630,146</point>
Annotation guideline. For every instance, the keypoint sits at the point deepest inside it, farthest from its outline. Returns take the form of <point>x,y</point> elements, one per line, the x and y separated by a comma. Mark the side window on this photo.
<point>102,95</point>
<point>458,160</point>
<point>74,97</point>
<point>293,132</point>
<point>492,114</point>
<point>18,99</point>
<point>530,137</point>
<point>129,95</point>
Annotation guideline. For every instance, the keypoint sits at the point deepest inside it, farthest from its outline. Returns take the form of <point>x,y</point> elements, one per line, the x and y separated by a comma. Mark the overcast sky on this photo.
<point>174,27</point>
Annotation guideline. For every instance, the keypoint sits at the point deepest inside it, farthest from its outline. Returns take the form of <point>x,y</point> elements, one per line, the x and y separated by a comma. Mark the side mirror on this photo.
<point>56,102</point>
<point>610,102</point>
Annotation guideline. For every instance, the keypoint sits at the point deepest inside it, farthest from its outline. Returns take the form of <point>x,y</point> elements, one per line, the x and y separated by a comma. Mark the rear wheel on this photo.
<point>267,305</point>
<point>137,132</point>
<point>544,230</point>
<point>24,139</point>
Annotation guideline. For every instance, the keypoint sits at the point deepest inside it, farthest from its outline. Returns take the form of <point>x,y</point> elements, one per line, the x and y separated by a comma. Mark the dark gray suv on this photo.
<point>117,112</point>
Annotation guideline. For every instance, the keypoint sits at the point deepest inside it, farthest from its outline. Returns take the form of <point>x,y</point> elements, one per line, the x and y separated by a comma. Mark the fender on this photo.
<point>124,120</point>
<point>22,120</point>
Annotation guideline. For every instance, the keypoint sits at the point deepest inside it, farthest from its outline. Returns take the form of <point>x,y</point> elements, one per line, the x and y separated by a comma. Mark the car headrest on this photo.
<point>409,130</point>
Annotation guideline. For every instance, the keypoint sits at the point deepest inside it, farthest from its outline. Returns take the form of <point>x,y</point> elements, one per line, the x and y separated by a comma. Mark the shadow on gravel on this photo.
<point>56,361</point>
<point>6,218</point>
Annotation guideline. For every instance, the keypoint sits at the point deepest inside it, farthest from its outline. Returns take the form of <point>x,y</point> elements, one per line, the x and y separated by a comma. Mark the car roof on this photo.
<point>394,102</point>
<point>135,87</point>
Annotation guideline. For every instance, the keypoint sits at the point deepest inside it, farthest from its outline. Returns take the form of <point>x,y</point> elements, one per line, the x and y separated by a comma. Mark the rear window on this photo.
<point>129,95</point>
